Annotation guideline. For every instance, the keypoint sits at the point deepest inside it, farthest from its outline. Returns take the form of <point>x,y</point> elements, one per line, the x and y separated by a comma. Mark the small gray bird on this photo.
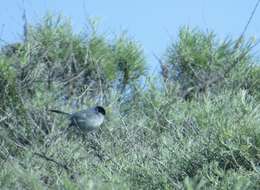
<point>86,120</point>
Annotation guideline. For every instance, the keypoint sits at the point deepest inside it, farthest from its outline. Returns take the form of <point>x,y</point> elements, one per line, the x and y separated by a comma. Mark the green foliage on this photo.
<point>152,138</point>
<point>201,63</point>
<point>213,143</point>
<point>55,58</point>
<point>253,82</point>
<point>206,179</point>
<point>8,92</point>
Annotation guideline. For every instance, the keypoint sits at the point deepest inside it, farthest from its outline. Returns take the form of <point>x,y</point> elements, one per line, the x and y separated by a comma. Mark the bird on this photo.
<point>85,120</point>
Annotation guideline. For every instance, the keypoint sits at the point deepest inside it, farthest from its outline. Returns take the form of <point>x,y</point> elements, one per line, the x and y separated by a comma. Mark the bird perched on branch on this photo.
<point>85,120</point>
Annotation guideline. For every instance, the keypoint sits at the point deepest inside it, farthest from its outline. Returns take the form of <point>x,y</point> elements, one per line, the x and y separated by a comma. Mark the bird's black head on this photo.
<point>101,110</point>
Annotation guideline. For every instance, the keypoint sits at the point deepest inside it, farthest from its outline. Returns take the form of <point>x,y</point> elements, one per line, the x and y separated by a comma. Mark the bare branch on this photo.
<point>64,166</point>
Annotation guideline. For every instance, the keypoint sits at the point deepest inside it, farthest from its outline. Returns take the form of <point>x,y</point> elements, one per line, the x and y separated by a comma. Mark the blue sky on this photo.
<point>153,23</point>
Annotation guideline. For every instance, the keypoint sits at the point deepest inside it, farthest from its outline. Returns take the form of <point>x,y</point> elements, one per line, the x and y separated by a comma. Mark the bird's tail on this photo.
<point>60,112</point>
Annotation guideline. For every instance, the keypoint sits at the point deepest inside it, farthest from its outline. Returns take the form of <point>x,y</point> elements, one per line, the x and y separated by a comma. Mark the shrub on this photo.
<point>200,63</point>
<point>152,138</point>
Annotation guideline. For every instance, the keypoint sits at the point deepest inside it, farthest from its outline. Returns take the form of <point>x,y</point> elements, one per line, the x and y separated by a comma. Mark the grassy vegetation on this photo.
<point>197,128</point>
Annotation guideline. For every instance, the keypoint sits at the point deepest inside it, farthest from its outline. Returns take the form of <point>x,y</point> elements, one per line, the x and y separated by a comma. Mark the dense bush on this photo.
<point>199,62</point>
<point>153,138</point>
<point>53,57</point>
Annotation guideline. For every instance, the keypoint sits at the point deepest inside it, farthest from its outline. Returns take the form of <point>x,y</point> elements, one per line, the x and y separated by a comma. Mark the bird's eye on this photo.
<point>101,110</point>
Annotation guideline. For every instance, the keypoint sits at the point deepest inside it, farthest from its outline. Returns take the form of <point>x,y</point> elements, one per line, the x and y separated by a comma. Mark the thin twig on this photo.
<point>241,56</point>
<point>247,24</point>
<point>64,166</point>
